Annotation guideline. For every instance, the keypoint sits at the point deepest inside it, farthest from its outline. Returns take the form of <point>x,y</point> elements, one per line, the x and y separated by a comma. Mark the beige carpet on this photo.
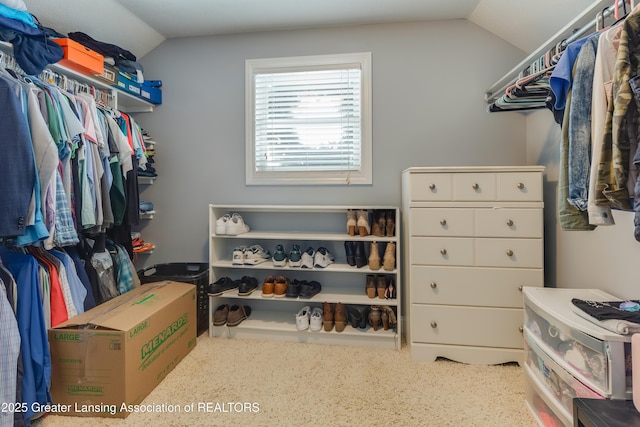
<point>295,384</point>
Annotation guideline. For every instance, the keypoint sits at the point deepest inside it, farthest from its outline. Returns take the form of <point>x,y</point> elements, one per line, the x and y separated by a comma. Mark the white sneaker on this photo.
<point>315,322</point>
<point>322,258</point>
<point>307,258</point>
<point>236,225</point>
<point>256,255</point>
<point>302,318</point>
<point>238,255</point>
<point>221,224</point>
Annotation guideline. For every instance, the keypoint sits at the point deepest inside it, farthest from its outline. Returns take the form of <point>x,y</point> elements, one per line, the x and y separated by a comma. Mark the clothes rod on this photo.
<point>585,22</point>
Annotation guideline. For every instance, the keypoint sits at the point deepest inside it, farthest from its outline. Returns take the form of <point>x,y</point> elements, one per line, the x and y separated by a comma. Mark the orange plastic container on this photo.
<point>80,58</point>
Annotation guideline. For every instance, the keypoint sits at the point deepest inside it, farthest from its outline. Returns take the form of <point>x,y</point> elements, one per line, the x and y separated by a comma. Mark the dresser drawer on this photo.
<point>431,187</point>
<point>520,186</point>
<point>512,253</point>
<point>441,222</point>
<point>441,251</point>
<point>475,326</point>
<point>508,222</point>
<point>474,187</point>
<point>472,286</point>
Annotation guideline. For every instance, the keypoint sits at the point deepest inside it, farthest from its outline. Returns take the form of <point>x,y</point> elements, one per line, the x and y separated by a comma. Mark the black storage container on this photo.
<point>186,272</point>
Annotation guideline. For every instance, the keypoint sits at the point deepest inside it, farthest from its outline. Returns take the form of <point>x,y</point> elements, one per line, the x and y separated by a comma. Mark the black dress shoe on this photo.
<point>350,250</point>
<point>293,290</point>
<point>247,285</point>
<point>221,285</point>
<point>361,257</point>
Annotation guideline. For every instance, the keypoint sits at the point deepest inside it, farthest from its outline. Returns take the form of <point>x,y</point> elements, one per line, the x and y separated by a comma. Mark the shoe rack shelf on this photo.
<point>306,226</point>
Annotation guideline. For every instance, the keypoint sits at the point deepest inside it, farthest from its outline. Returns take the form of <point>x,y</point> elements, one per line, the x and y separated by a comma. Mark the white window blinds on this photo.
<point>309,120</point>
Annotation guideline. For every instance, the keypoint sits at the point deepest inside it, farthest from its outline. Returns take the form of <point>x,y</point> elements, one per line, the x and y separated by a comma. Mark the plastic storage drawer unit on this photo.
<point>186,272</point>
<point>599,358</point>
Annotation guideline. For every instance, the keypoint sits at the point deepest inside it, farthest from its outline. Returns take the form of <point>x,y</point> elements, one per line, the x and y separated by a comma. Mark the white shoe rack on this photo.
<point>307,226</point>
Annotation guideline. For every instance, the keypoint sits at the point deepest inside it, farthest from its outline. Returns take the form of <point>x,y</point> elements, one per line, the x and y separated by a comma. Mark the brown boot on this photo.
<point>371,286</point>
<point>351,222</point>
<point>327,315</point>
<point>381,285</point>
<point>374,317</point>
<point>379,223</point>
<point>340,317</point>
<point>374,257</point>
<point>389,259</point>
<point>390,223</point>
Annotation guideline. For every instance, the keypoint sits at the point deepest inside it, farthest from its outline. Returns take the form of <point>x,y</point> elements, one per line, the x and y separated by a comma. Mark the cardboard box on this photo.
<point>80,58</point>
<point>108,359</point>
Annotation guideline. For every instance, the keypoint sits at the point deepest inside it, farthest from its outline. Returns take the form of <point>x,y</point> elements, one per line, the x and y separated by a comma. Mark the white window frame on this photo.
<point>305,63</point>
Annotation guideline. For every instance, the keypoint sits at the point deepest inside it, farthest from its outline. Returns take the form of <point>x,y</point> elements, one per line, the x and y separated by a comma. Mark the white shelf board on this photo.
<point>300,235</point>
<point>348,299</point>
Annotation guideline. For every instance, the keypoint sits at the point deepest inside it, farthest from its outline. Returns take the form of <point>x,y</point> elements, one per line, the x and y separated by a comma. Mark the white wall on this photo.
<point>428,110</point>
<point>605,258</point>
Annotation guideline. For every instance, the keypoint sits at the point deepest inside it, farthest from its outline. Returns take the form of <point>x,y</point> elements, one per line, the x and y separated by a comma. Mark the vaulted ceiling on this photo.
<point>141,25</point>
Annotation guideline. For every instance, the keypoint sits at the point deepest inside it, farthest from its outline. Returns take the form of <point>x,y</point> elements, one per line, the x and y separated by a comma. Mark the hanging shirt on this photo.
<point>9,351</point>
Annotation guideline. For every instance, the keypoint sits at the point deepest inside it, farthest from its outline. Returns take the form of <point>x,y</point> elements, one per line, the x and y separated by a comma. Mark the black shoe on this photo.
<point>361,257</point>
<point>358,315</point>
<point>309,289</point>
<point>221,285</point>
<point>293,290</point>
<point>350,249</point>
<point>247,285</point>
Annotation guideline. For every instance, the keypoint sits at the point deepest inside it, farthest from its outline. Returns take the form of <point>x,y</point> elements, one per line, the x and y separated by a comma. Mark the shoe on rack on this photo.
<point>247,285</point>
<point>350,251</point>
<point>307,258</point>
<point>256,255</point>
<point>370,287</point>
<point>302,318</point>
<point>295,256</point>
<point>374,257</point>
<point>280,288</point>
<point>221,285</point>
<point>361,258</point>
<point>309,289</point>
<point>327,316</point>
<point>358,315</point>
<point>237,313</point>
<point>279,257</point>
<point>323,258</point>
<point>390,223</point>
<point>388,317</point>
<point>374,317</point>
<point>238,255</point>
<point>340,317</point>
<point>293,290</point>
<point>363,222</point>
<point>221,224</point>
<point>236,225</point>
<point>378,227</point>
<point>351,222</point>
<point>390,292</point>
<point>381,285</point>
<point>267,286</point>
<point>315,322</point>
<point>220,315</point>
<point>389,259</point>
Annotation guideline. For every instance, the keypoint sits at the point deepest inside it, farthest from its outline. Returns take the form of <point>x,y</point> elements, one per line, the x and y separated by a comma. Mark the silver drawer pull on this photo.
<point>443,251</point>
<point>509,252</point>
<point>434,285</point>
<point>509,222</point>
<point>432,187</point>
<point>520,186</point>
<point>475,186</point>
<point>520,288</point>
<point>521,329</point>
<point>434,325</point>
<point>443,222</point>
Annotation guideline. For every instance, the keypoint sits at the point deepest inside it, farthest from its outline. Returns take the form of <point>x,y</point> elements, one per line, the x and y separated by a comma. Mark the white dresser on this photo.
<point>473,239</point>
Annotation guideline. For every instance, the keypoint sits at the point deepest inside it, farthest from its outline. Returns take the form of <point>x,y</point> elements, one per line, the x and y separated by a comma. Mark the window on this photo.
<point>308,120</point>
